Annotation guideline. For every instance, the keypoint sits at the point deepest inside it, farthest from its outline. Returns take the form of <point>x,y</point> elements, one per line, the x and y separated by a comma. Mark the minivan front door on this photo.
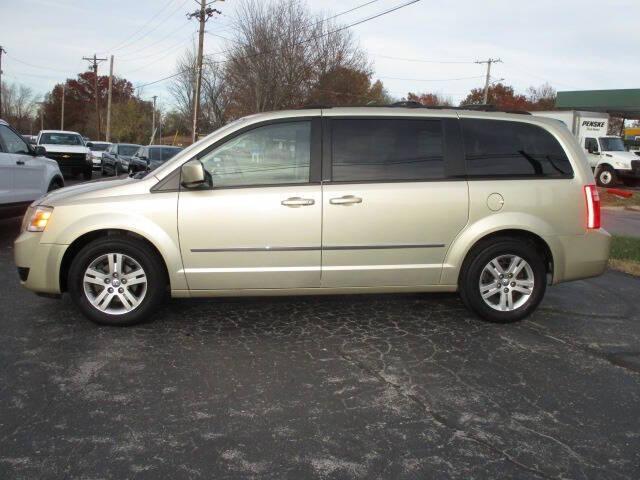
<point>392,208</point>
<point>259,226</point>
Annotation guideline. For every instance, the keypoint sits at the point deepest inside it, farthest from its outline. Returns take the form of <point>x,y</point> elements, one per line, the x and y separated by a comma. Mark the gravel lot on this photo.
<point>380,386</point>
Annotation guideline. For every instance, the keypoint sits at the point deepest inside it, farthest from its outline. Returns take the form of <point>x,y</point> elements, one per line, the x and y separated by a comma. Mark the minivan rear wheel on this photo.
<point>117,281</point>
<point>503,281</point>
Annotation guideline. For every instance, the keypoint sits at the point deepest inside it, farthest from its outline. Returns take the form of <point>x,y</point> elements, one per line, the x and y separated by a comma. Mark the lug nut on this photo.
<point>110,290</point>
<point>107,280</point>
<point>501,276</point>
<point>513,284</point>
<point>506,290</point>
<point>510,275</point>
<point>124,281</point>
<point>120,290</point>
<point>115,274</point>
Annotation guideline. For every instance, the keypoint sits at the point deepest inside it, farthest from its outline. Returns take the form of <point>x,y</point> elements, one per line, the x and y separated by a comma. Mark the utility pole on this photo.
<point>94,65</point>
<point>203,14</point>
<point>108,135</point>
<point>488,79</point>
<point>62,107</point>
<point>153,120</point>
<point>2,50</point>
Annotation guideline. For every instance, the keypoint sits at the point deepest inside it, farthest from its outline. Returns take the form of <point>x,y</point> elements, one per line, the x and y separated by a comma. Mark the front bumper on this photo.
<point>42,260</point>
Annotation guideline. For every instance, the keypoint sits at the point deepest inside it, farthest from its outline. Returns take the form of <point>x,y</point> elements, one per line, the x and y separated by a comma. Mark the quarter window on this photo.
<point>387,150</point>
<point>503,148</point>
<point>269,155</point>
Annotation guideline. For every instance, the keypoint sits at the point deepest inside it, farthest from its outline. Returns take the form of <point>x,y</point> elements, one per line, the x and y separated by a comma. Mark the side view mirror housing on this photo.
<point>39,150</point>
<point>90,144</point>
<point>192,174</point>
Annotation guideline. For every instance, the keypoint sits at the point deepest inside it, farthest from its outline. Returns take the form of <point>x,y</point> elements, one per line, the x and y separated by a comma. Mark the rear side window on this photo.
<point>387,149</point>
<point>503,148</point>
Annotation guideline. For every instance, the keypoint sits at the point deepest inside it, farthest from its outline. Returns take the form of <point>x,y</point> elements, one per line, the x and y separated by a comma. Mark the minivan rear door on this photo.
<point>395,198</point>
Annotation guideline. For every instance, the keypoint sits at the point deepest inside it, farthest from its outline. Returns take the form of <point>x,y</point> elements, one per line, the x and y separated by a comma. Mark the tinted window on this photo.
<point>12,142</point>
<point>273,154</point>
<point>155,154</point>
<point>387,149</point>
<point>99,147</point>
<point>591,144</point>
<point>169,152</point>
<point>127,150</point>
<point>502,148</point>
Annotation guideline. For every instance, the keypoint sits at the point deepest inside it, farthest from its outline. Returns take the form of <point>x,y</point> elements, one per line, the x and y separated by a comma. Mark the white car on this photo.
<point>69,149</point>
<point>25,174</point>
<point>97,150</point>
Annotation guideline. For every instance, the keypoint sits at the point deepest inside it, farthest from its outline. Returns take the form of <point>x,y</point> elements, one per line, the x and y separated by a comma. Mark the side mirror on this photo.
<point>192,174</point>
<point>39,150</point>
<point>90,144</point>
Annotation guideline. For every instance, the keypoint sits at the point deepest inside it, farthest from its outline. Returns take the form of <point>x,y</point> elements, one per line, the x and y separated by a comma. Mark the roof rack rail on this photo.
<point>312,106</point>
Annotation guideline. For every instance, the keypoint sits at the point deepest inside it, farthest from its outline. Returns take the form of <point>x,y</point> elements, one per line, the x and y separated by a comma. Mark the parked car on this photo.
<point>344,200</point>
<point>151,157</point>
<point>25,174</point>
<point>69,150</point>
<point>97,150</point>
<point>30,139</point>
<point>115,160</point>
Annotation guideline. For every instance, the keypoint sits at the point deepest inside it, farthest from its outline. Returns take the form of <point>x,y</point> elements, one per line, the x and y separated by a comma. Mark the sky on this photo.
<point>429,46</point>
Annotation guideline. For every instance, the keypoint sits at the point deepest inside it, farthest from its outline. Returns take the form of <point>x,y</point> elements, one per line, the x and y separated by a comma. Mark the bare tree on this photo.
<point>19,105</point>
<point>182,86</point>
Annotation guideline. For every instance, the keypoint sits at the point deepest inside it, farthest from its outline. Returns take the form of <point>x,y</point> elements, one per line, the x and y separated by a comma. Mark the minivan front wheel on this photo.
<point>116,281</point>
<point>606,176</point>
<point>504,281</point>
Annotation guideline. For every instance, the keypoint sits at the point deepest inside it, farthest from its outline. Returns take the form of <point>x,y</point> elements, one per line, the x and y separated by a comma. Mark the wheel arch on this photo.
<point>83,240</point>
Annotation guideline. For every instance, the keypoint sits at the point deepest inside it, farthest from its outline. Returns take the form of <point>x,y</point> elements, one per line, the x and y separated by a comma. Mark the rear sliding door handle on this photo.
<point>345,200</point>
<point>297,202</point>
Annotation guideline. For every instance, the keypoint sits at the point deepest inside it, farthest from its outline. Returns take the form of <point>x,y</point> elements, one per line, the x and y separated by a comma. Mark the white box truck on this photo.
<point>607,155</point>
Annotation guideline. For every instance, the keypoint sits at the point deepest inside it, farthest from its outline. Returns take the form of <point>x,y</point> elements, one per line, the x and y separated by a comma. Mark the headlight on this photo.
<point>88,157</point>
<point>623,165</point>
<point>36,218</point>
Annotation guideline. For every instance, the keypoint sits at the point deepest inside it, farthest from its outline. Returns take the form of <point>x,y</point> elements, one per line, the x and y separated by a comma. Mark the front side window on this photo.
<point>128,150</point>
<point>591,144</point>
<point>504,148</point>
<point>270,155</point>
<point>387,150</point>
<point>169,152</point>
<point>11,141</point>
<point>155,154</point>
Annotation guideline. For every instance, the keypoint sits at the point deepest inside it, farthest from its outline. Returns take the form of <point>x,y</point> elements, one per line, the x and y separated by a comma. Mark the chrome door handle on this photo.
<point>19,162</point>
<point>297,202</point>
<point>345,200</point>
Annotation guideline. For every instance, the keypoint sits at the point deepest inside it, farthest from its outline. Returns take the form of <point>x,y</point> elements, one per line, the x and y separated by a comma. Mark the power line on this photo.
<point>359,22</point>
<point>431,79</point>
<point>128,39</point>
<point>128,56</point>
<point>488,79</point>
<point>34,66</point>
<point>419,60</point>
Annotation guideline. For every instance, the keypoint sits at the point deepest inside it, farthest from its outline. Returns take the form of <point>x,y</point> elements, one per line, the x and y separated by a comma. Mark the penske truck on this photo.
<point>607,156</point>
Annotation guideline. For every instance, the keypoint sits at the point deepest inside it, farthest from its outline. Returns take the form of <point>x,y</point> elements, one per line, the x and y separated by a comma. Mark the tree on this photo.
<point>542,97</point>
<point>131,121</point>
<point>346,86</point>
<point>430,99</point>
<point>79,102</point>
<point>19,106</point>
<point>500,95</point>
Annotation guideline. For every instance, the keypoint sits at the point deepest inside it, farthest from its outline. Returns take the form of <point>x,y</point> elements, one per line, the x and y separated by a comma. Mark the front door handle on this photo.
<point>297,202</point>
<point>345,200</point>
<point>19,162</point>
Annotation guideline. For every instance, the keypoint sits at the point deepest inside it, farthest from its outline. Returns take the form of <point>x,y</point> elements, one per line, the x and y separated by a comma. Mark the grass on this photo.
<point>625,255</point>
<point>609,200</point>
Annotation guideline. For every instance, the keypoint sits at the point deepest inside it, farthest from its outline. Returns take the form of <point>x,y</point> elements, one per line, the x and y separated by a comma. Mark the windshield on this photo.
<point>61,139</point>
<point>128,150</point>
<point>99,147</point>
<point>614,144</point>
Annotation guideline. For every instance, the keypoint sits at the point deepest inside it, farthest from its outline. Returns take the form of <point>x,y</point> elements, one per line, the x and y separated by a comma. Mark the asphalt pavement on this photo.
<point>372,386</point>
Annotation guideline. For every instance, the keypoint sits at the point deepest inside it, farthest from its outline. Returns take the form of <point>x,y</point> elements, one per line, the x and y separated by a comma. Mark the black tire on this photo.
<point>87,174</point>
<point>134,248</point>
<point>55,184</point>
<point>606,176</point>
<point>480,256</point>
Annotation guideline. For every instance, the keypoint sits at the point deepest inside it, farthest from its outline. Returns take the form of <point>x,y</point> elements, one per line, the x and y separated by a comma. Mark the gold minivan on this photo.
<point>330,201</point>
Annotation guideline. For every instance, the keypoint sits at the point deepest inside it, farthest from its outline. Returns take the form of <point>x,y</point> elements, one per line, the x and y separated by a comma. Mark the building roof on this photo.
<point>623,103</point>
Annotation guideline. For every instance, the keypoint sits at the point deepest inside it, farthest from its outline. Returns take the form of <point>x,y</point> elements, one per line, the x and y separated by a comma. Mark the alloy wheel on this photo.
<point>506,283</point>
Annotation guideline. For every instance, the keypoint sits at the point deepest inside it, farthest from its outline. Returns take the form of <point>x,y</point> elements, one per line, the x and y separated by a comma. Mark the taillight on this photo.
<point>593,206</point>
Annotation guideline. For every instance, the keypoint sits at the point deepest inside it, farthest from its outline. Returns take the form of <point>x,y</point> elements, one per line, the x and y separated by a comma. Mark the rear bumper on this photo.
<point>38,263</point>
<point>580,256</point>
